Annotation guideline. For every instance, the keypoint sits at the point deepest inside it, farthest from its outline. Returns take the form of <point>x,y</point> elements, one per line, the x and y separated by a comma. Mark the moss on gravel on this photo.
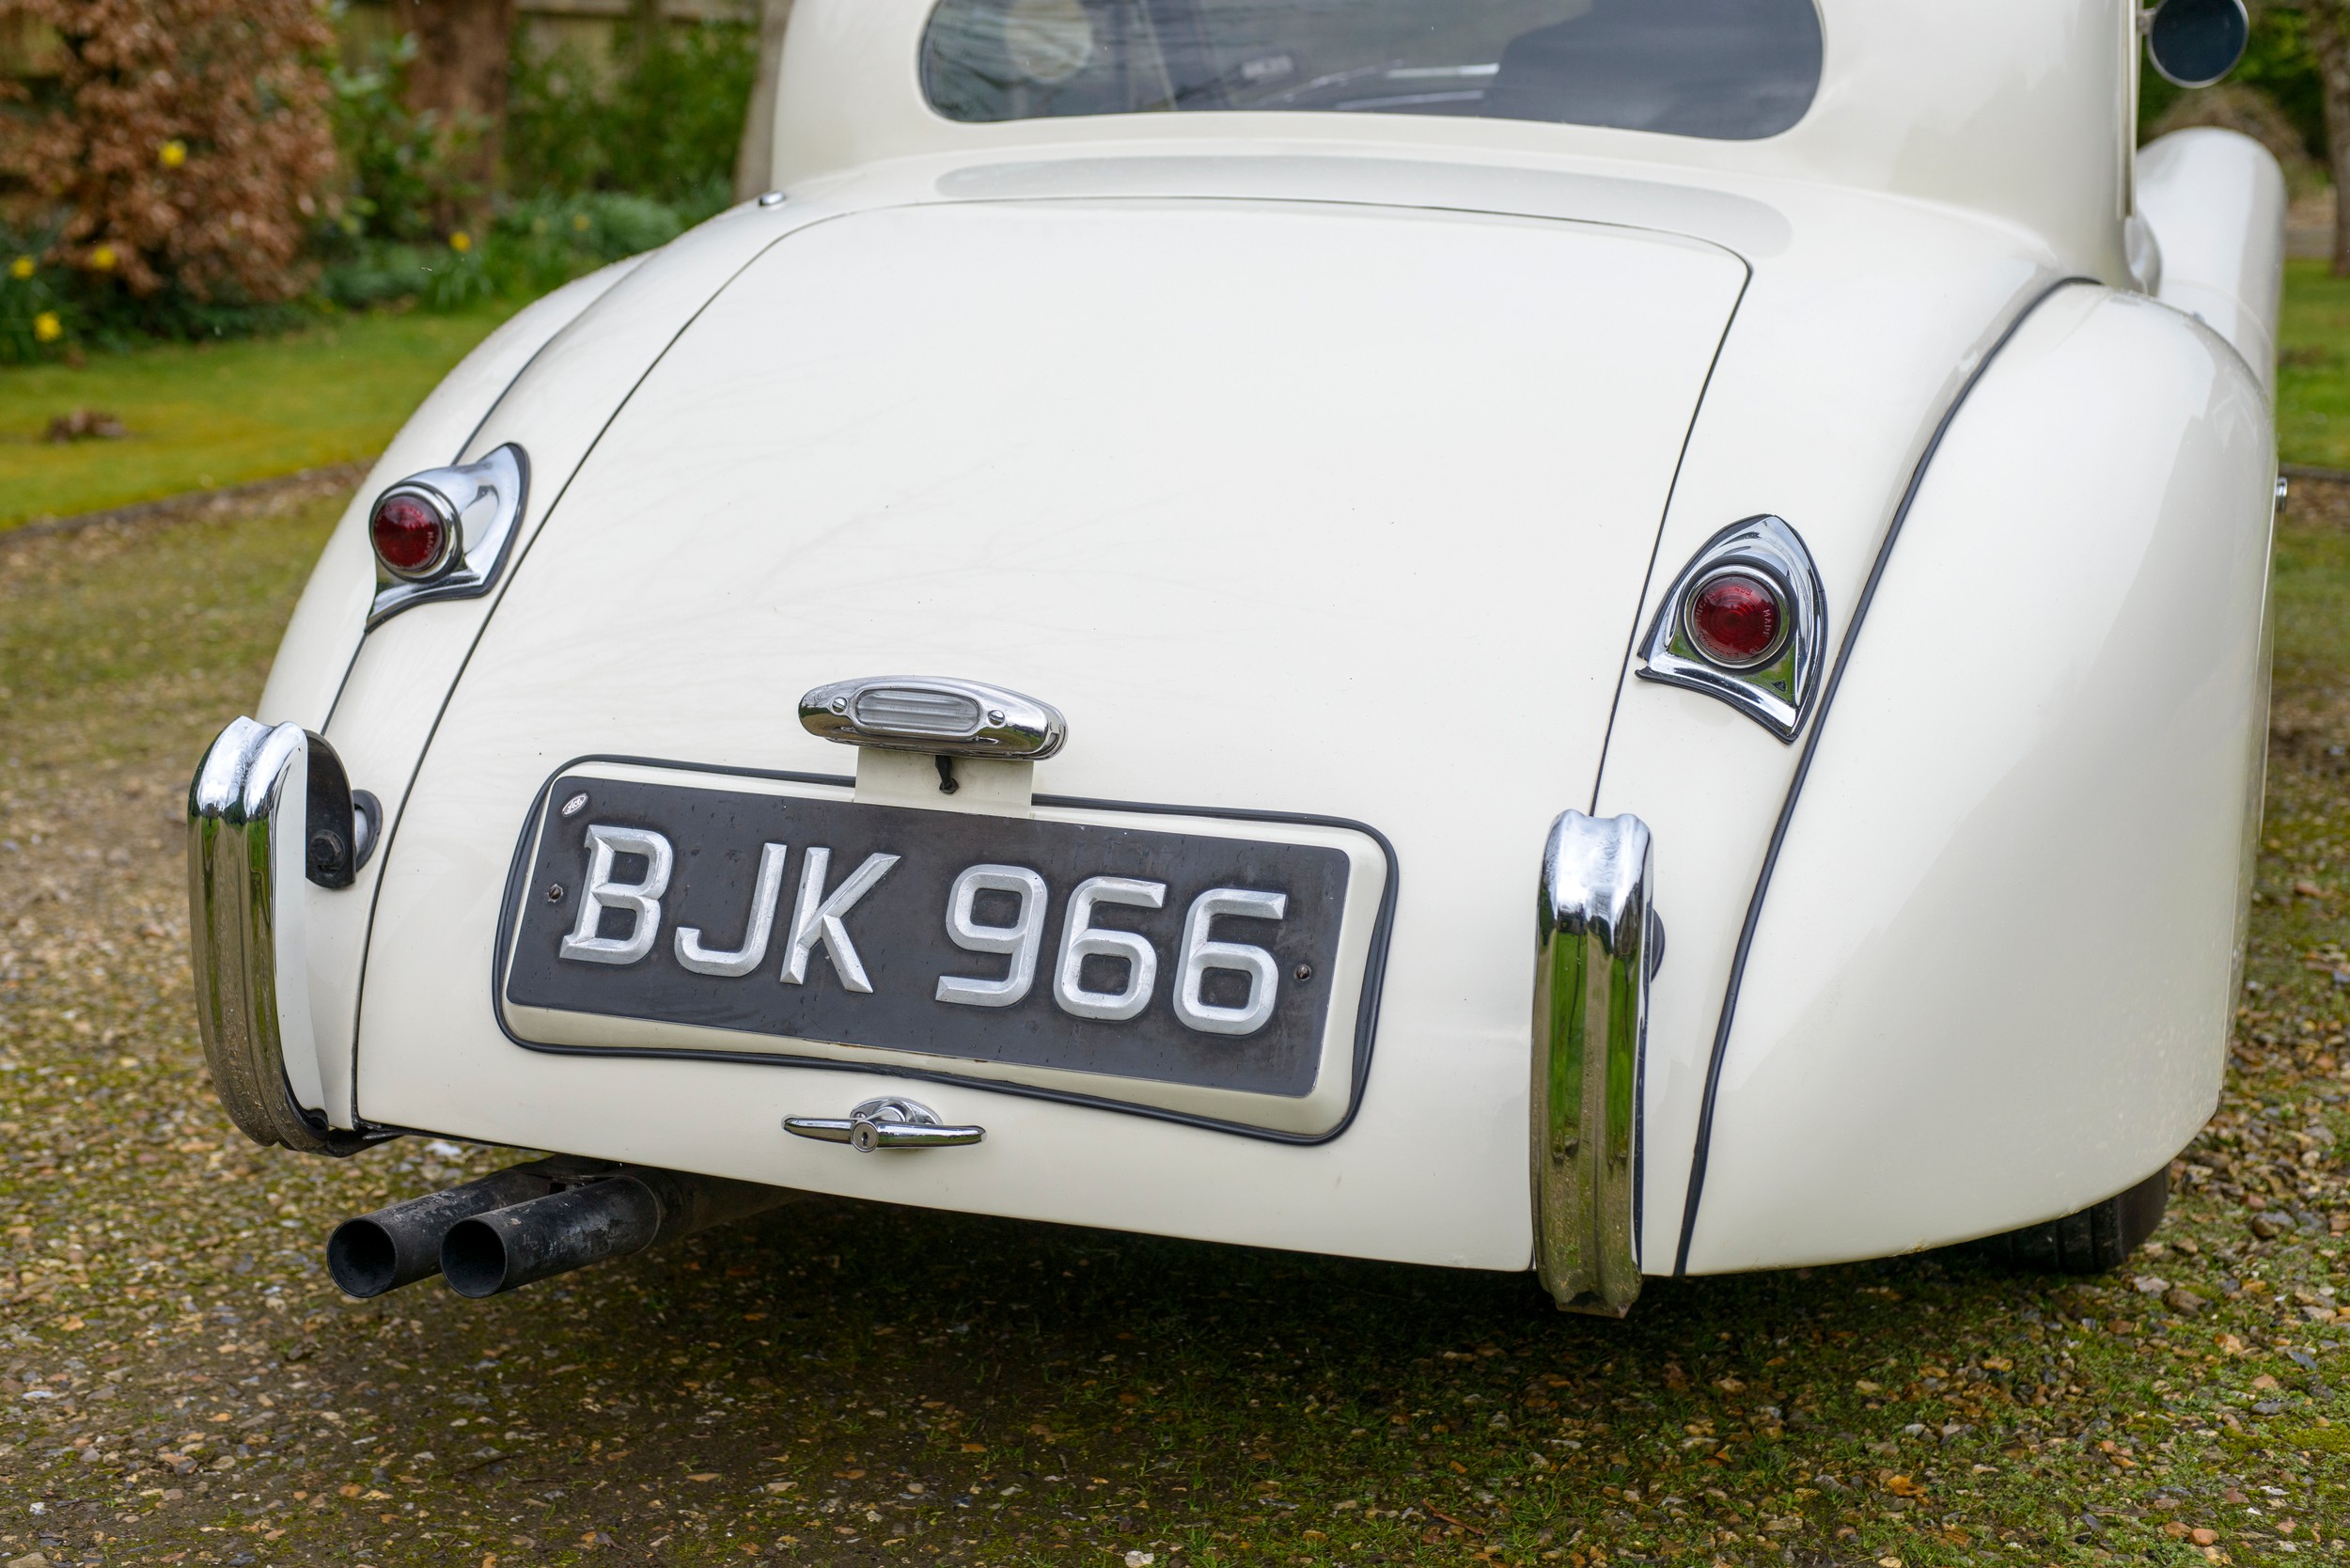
<point>845,1383</point>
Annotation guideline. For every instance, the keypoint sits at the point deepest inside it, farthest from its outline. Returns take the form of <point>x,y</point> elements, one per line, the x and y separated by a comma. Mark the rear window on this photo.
<point>1728,69</point>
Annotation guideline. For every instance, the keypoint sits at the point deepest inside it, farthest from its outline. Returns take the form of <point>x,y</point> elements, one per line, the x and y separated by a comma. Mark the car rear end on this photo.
<point>1327,565</point>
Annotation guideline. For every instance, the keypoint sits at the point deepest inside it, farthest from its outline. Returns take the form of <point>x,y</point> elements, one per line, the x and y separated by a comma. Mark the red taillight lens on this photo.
<point>411,537</point>
<point>1736,619</point>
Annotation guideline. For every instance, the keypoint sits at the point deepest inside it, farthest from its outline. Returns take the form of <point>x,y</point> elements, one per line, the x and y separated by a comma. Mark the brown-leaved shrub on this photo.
<point>168,146</point>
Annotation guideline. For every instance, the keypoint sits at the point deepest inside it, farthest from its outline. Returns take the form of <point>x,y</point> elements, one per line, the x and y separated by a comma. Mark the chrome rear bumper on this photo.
<point>1596,946</point>
<point>269,812</point>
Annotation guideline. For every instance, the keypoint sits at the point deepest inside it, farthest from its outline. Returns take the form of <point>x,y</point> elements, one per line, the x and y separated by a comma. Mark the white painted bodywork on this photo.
<point>1328,463</point>
<point>2215,202</point>
<point>1992,976</point>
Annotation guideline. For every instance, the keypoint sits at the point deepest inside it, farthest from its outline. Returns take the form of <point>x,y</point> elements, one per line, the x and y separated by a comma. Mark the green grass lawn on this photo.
<point>2313,368</point>
<point>217,414</point>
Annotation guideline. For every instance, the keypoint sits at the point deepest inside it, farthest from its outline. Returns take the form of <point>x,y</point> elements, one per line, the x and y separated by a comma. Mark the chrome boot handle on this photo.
<point>885,1124</point>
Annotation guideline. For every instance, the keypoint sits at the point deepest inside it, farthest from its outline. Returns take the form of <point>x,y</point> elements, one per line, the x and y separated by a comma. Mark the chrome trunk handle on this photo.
<point>886,1124</point>
<point>1597,942</point>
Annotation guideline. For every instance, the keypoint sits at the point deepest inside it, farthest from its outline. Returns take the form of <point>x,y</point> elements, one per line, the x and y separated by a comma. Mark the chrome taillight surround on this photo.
<point>1776,690</point>
<point>481,502</point>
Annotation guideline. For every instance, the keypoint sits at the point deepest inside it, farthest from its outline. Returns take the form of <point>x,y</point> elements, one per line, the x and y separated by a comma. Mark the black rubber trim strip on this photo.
<point>1803,766</point>
<point>1366,1015</point>
<point>1656,551</point>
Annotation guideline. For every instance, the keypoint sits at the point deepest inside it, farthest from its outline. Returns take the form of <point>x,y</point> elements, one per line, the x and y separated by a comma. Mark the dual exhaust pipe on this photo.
<point>534,1221</point>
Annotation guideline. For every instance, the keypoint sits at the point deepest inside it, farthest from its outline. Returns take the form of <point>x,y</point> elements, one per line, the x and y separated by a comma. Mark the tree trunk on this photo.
<point>464,51</point>
<point>754,160</point>
<point>2329,40</point>
<point>644,31</point>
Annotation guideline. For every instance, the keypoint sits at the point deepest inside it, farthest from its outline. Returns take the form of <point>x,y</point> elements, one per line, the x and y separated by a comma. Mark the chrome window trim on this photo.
<point>473,566</point>
<point>254,783</point>
<point>1009,726</point>
<point>1776,690</point>
<point>1595,936</point>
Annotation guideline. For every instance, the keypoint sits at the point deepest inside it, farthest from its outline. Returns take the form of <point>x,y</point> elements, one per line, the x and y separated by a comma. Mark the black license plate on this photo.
<point>1177,957</point>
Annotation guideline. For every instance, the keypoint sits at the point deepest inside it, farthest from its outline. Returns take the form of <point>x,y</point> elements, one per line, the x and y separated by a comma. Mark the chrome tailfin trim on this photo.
<point>1591,1032</point>
<point>251,858</point>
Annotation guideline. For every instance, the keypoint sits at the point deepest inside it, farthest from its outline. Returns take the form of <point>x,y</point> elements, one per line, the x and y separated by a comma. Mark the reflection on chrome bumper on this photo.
<point>1591,1030</point>
<point>270,812</point>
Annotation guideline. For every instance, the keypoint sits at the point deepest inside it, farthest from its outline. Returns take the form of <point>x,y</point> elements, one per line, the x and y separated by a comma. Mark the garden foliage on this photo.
<point>525,250</point>
<point>409,177</point>
<point>198,169</point>
<point>162,164</point>
<point>413,224</point>
<point>666,126</point>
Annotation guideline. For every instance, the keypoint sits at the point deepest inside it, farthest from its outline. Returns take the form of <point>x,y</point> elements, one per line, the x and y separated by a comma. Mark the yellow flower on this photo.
<point>461,242</point>
<point>579,221</point>
<point>21,268</point>
<point>173,153</point>
<point>47,327</point>
<point>102,258</point>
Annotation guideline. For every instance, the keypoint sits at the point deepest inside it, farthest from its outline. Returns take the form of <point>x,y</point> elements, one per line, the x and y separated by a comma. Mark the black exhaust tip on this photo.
<point>546,1217</point>
<point>630,1209</point>
<point>473,1260</point>
<point>362,1258</point>
<point>512,1246</point>
<point>401,1245</point>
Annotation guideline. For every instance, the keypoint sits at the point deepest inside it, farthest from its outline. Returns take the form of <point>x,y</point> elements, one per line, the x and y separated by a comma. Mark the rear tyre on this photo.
<point>2098,1238</point>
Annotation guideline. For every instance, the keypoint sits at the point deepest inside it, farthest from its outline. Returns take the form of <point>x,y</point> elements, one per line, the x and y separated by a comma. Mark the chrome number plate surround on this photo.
<point>1247,1003</point>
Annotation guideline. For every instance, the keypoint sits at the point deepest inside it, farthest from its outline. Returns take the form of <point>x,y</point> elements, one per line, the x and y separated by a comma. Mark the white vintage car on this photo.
<point>1161,636</point>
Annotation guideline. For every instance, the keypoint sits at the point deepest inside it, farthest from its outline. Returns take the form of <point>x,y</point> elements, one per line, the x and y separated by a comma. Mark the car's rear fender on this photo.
<point>1990,979</point>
